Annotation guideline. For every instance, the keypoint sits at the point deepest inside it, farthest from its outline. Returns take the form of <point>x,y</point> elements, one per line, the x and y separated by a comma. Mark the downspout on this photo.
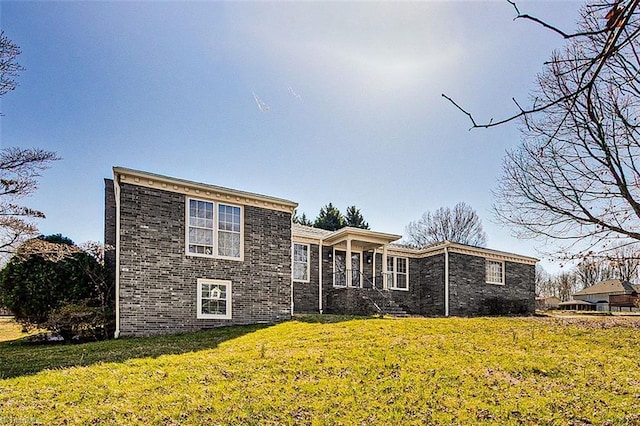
<point>446,281</point>
<point>291,287</point>
<point>291,254</point>
<point>116,193</point>
<point>320,278</point>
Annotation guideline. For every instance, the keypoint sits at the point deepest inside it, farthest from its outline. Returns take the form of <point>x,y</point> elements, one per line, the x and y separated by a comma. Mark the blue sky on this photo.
<point>347,106</point>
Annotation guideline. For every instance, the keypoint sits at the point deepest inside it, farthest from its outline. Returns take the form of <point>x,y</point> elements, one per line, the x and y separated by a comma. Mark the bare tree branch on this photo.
<point>619,33</point>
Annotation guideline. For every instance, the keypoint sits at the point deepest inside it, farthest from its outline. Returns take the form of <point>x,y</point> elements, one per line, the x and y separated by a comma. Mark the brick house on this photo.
<point>439,280</point>
<point>190,256</point>
<point>607,295</point>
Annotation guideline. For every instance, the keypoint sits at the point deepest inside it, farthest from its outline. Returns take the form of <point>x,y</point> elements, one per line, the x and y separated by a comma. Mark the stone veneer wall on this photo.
<point>158,281</point>
<point>470,295</point>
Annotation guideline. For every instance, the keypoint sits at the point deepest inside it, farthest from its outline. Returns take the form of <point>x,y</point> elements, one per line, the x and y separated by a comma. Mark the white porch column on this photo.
<point>373,265</point>
<point>385,284</point>
<point>349,263</point>
<point>319,276</point>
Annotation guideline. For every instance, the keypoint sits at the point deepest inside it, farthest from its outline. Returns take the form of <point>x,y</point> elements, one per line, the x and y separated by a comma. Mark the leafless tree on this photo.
<point>575,177</point>
<point>611,27</point>
<point>544,283</point>
<point>622,262</point>
<point>19,168</point>
<point>9,67</point>
<point>566,284</point>
<point>591,271</point>
<point>460,225</point>
<point>625,262</point>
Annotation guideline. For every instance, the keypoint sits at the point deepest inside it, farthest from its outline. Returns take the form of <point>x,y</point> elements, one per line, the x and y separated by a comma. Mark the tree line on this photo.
<point>622,263</point>
<point>332,219</point>
<point>460,224</point>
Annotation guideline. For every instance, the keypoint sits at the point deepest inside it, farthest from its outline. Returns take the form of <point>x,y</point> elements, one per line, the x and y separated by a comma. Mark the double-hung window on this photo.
<point>214,299</point>
<point>494,272</point>
<point>301,262</point>
<point>398,269</point>
<point>214,229</point>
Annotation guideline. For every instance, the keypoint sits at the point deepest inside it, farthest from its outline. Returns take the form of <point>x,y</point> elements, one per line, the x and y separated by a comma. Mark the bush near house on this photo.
<point>51,283</point>
<point>502,306</point>
<point>513,371</point>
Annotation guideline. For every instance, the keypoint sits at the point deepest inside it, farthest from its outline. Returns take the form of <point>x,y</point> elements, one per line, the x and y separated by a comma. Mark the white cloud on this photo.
<point>381,49</point>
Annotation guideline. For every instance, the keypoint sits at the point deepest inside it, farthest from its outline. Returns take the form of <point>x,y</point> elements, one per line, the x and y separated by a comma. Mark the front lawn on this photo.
<point>354,371</point>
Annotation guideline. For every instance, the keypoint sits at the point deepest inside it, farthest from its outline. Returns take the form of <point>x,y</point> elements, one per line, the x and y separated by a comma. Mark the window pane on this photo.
<point>300,271</point>
<point>228,244</point>
<point>214,299</point>
<point>402,281</point>
<point>214,307</point>
<point>228,218</point>
<point>494,271</point>
<point>200,232</point>
<point>299,253</point>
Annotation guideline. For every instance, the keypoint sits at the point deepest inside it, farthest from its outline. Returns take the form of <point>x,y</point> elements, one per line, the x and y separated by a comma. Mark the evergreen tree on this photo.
<point>329,218</point>
<point>354,218</point>
<point>302,220</point>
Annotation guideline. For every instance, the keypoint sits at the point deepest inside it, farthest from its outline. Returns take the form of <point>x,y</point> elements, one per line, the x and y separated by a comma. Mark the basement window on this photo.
<point>214,299</point>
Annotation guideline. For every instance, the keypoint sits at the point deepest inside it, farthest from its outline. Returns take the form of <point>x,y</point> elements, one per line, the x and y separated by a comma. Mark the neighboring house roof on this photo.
<point>548,299</point>
<point>608,287</point>
<point>576,302</point>
<point>202,190</point>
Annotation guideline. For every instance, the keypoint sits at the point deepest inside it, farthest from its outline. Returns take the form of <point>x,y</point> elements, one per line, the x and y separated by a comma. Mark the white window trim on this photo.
<point>393,285</point>
<point>215,254</point>
<point>199,313</point>
<point>308,262</point>
<point>502,269</point>
<point>361,254</point>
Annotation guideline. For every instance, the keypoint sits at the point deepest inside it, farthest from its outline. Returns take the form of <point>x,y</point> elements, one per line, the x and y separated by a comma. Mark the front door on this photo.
<point>340,267</point>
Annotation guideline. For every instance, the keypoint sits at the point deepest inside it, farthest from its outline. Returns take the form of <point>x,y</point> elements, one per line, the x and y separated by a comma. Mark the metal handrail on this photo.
<point>340,280</point>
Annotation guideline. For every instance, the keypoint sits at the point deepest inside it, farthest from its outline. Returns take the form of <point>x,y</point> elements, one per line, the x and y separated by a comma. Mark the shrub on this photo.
<point>502,306</point>
<point>79,321</point>
<point>50,279</point>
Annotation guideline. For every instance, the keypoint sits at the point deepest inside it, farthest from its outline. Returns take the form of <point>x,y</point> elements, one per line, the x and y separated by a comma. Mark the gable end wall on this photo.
<point>158,281</point>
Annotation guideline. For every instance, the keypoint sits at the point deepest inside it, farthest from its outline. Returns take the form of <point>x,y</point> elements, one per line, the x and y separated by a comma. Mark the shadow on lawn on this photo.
<point>23,357</point>
<point>330,318</point>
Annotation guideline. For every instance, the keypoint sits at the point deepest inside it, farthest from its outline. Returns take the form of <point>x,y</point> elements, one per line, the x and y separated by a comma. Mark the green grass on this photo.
<point>351,371</point>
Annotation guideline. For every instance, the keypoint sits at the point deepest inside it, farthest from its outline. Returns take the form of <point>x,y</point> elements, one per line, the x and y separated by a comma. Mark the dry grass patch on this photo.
<point>10,330</point>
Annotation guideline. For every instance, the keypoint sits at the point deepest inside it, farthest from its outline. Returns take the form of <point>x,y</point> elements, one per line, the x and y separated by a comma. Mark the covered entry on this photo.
<point>354,257</point>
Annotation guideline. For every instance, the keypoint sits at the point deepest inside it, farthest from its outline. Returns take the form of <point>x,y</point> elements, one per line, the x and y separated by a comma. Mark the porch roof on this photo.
<point>362,237</point>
